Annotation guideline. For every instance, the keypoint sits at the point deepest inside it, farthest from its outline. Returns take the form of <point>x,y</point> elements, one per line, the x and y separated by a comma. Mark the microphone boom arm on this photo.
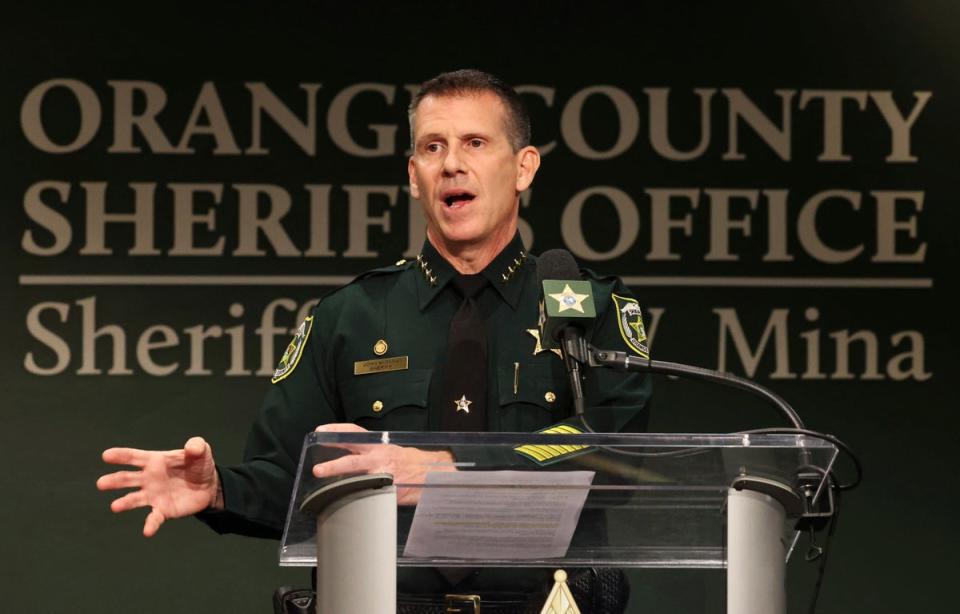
<point>585,353</point>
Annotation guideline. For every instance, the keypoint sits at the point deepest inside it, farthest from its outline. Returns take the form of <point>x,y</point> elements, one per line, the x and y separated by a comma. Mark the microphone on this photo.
<point>566,310</point>
<point>566,300</point>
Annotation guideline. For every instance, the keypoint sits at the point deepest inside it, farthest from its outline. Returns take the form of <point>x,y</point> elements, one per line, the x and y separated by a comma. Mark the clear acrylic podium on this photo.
<point>729,502</point>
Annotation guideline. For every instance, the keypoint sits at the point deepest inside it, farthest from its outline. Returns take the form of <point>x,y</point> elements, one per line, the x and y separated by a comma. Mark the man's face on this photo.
<point>464,170</point>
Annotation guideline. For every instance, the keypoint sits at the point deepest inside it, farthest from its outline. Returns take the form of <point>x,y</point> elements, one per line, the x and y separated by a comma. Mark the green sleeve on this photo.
<point>616,400</point>
<point>257,492</point>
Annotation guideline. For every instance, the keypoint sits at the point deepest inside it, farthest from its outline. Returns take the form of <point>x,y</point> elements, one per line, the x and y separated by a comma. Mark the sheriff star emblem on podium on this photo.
<point>568,299</point>
<point>463,404</point>
<point>560,600</point>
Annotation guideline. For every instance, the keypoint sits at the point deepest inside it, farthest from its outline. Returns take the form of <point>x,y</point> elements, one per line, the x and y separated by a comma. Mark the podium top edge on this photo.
<point>638,440</point>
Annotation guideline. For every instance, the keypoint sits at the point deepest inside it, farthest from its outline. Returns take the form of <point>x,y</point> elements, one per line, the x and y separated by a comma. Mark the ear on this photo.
<point>528,161</point>
<point>412,174</point>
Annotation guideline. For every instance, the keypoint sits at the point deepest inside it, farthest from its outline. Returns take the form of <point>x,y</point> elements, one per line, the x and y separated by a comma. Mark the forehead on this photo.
<point>470,112</point>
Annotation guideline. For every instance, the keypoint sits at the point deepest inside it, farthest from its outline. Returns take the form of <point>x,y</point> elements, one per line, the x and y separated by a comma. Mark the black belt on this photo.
<point>596,591</point>
<point>496,603</point>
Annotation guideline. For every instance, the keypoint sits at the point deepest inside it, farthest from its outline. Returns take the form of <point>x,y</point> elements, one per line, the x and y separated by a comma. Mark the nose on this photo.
<point>452,162</point>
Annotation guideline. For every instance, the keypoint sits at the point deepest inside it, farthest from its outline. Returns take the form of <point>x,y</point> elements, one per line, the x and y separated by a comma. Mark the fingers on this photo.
<point>355,463</point>
<point>340,427</point>
<point>408,495</point>
<point>129,501</point>
<point>124,456</point>
<point>134,500</point>
<point>120,479</point>
<point>195,447</point>
<point>152,524</point>
<point>353,448</point>
<point>344,427</point>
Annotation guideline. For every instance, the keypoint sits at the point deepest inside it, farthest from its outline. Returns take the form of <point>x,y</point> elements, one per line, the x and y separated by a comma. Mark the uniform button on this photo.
<point>401,262</point>
<point>380,347</point>
<point>378,406</point>
<point>550,397</point>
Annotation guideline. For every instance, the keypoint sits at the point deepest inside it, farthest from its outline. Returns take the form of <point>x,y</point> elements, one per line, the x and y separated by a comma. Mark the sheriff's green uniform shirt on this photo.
<point>404,311</point>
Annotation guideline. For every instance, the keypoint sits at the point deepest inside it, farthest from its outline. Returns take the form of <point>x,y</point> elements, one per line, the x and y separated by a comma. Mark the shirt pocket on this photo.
<point>394,401</point>
<point>532,397</point>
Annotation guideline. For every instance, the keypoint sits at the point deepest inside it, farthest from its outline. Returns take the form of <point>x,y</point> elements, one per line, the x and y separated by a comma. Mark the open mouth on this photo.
<point>457,198</point>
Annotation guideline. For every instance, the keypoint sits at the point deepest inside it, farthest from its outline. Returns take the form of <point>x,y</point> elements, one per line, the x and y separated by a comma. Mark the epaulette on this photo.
<point>609,286</point>
<point>596,276</point>
<point>400,265</point>
<point>291,357</point>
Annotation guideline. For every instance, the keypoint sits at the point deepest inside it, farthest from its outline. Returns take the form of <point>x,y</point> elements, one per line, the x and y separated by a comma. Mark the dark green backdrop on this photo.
<point>64,549</point>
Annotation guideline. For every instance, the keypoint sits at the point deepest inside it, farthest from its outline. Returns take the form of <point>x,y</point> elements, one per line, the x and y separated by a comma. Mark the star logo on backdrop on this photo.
<point>569,299</point>
<point>463,404</point>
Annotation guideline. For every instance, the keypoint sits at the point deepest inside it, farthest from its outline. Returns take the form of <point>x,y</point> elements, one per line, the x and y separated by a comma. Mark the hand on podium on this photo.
<point>174,483</point>
<point>406,465</point>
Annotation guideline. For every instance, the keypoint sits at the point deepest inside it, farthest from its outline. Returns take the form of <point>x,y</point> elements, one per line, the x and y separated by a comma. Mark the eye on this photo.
<point>432,147</point>
<point>475,143</point>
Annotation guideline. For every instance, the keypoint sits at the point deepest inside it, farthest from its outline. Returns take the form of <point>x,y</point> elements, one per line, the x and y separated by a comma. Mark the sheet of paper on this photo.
<point>512,515</point>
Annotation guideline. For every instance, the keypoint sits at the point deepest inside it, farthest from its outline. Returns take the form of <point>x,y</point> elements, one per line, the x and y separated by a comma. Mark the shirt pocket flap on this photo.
<point>535,384</point>
<point>378,395</point>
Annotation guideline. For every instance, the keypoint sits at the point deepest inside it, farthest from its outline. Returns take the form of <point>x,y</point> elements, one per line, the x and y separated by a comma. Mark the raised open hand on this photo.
<point>174,483</point>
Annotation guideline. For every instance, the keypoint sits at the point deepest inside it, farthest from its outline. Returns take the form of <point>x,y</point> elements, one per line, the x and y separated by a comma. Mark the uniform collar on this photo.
<point>505,273</point>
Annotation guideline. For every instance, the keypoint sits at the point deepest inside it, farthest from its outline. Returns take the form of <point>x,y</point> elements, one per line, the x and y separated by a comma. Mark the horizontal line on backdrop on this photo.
<point>784,282</point>
<point>185,280</point>
<point>339,280</point>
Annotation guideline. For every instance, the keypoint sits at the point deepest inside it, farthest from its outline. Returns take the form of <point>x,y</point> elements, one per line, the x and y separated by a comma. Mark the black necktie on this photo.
<point>463,395</point>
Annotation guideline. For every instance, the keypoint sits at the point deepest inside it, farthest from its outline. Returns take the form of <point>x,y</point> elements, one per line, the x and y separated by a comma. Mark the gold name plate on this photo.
<point>380,365</point>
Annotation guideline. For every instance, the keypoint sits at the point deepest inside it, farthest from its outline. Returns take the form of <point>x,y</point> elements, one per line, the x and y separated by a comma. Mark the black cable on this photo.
<point>617,450</point>
<point>822,568</point>
<point>768,431</point>
<point>835,441</point>
<point>628,362</point>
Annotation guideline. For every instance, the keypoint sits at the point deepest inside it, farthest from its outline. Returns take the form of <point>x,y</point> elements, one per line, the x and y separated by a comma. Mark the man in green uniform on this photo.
<point>381,353</point>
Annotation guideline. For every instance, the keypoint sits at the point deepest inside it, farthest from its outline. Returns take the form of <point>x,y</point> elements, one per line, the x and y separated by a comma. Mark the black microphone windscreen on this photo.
<point>556,264</point>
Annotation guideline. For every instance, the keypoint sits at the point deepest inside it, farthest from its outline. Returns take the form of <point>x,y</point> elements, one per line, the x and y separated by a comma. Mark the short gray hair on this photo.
<point>471,81</point>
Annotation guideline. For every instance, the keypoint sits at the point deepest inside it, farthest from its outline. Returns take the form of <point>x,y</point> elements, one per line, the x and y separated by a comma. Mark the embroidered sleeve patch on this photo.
<point>293,353</point>
<point>547,454</point>
<point>630,322</point>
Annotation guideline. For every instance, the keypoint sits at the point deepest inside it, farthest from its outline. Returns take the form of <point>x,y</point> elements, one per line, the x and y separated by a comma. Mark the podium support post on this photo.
<point>356,545</point>
<point>756,555</point>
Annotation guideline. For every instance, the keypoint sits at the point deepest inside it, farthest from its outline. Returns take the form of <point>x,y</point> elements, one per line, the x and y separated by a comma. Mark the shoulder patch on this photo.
<point>630,322</point>
<point>293,353</point>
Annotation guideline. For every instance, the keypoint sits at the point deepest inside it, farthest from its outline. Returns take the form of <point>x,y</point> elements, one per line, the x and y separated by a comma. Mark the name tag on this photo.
<point>380,365</point>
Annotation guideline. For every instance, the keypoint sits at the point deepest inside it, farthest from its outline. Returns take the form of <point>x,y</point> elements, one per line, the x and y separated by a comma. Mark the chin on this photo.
<point>462,238</point>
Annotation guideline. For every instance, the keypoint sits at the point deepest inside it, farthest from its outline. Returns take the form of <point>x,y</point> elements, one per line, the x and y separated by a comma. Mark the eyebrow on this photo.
<point>430,137</point>
<point>475,135</point>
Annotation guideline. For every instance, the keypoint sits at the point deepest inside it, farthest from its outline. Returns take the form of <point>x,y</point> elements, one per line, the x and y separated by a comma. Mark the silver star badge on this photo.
<point>463,404</point>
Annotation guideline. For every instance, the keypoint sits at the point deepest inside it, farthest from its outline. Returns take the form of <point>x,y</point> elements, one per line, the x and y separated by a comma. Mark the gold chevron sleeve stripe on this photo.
<point>532,452</point>
<point>548,453</point>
